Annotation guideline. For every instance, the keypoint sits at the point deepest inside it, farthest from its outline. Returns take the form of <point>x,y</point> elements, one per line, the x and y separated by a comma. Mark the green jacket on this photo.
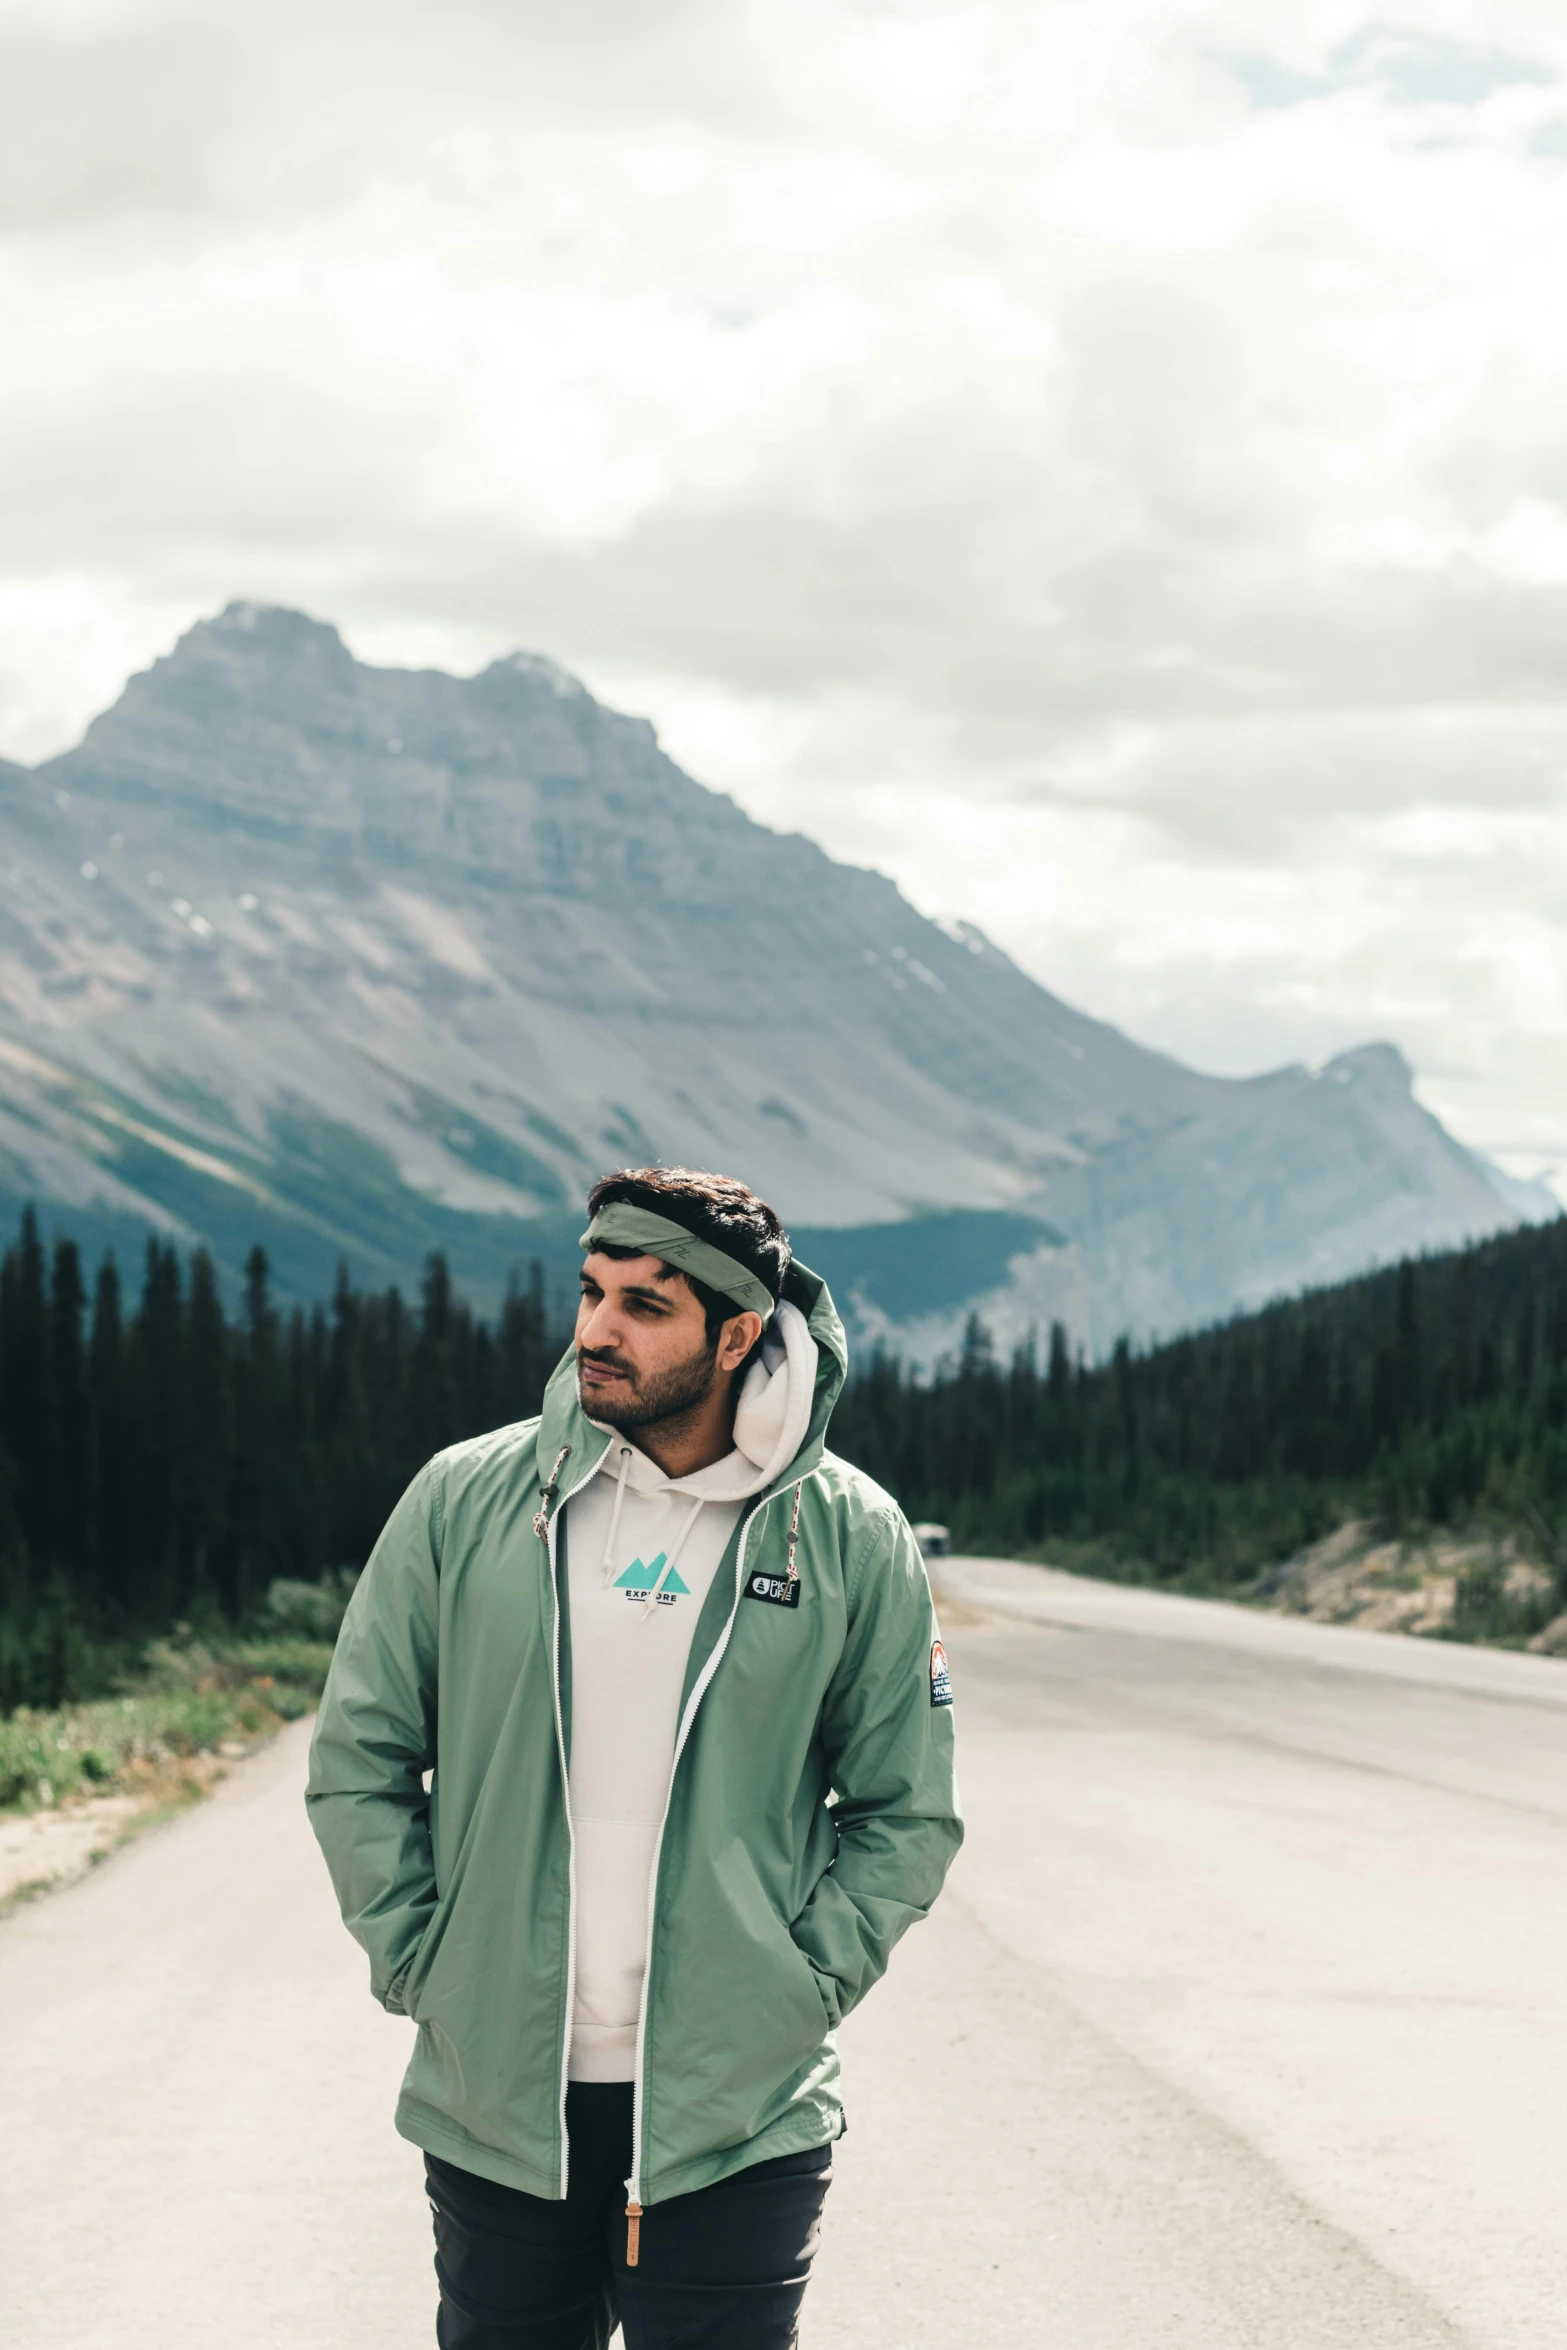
<point>811,1814</point>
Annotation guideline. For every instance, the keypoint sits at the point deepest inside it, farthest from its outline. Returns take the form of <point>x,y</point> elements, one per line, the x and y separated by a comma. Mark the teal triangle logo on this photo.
<point>637,1577</point>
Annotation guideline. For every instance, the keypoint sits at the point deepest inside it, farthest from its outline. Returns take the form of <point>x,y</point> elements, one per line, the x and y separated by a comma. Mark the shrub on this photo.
<point>191,1696</point>
<point>313,1611</point>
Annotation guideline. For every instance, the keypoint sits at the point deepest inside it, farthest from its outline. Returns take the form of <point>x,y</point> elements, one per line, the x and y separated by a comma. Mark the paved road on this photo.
<point>1240,2028</point>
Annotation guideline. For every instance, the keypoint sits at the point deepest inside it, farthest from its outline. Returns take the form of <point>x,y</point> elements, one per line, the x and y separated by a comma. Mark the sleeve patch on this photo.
<point>940,1678</point>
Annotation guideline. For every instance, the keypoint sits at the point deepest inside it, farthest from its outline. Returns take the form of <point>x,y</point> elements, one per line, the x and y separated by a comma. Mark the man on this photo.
<point>675,1669</point>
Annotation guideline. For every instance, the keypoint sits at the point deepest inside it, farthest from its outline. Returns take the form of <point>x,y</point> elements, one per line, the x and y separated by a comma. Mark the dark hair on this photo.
<point>714,1207</point>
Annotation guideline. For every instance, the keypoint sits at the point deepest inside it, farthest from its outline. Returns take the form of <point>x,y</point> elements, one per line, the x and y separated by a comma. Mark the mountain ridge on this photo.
<point>383,959</point>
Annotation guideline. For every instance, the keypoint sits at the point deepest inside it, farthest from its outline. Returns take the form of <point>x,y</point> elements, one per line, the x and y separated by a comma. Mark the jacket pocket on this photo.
<point>818,1989</point>
<point>768,1959</point>
<point>831,2008</point>
<point>416,1975</point>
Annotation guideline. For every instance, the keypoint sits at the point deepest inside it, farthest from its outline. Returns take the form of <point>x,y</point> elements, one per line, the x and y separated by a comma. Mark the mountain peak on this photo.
<point>539,669</point>
<point>1379,1063</point>
<point>260,721</point>
<point>250,632</point>
<point>244,617</point>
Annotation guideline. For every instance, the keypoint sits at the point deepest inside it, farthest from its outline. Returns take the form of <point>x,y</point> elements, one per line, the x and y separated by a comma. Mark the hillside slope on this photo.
<point>364,961</point>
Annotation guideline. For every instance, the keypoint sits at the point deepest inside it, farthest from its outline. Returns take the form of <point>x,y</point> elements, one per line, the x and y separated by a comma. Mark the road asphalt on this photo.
<point>1239,2027</point>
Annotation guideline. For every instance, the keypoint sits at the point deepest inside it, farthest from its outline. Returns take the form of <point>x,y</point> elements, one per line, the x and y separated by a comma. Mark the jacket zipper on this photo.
<point>634,2183</point>
<point>571,1836</point>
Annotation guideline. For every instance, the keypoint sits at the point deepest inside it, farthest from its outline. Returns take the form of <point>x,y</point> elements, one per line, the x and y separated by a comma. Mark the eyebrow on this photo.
<point>659,1297</point>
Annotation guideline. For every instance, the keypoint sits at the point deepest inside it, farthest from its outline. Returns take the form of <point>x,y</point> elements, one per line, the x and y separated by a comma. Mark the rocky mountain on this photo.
<point>360,961</point>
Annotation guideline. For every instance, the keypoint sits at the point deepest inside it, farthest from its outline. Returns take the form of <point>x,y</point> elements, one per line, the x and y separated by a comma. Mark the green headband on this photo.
<point>655,1236</point>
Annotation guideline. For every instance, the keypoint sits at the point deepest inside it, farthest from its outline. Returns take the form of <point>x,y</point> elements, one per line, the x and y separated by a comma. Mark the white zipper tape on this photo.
<point>634,2183</point>
<point>571,1835</point>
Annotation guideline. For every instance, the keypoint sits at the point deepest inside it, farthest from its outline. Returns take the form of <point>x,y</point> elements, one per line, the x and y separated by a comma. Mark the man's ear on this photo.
<point>737,1339</point>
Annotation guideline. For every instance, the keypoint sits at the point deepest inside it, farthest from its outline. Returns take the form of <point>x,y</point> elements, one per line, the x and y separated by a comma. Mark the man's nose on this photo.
<point>600,1328</point>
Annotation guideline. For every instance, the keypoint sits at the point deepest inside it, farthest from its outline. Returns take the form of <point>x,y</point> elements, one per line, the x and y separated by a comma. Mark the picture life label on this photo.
<point>777,1590</point>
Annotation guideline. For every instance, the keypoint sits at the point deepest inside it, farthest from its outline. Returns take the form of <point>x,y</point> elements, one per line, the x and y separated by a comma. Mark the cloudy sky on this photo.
<point>1106,466</point>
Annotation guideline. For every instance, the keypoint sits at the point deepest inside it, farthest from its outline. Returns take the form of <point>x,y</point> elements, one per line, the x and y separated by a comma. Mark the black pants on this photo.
<point>722,2269</point>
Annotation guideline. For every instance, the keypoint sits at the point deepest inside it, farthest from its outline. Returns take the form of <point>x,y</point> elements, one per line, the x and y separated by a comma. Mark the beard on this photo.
<point>661,1395</point>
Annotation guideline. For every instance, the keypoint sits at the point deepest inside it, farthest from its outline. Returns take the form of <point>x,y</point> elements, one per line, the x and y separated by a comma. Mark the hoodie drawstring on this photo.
<point>607,1565</point>
<point>608,1561</point>
<point>680,1543</point>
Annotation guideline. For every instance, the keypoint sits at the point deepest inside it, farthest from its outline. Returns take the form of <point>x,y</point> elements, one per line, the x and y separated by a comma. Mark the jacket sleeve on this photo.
<point>375,1739</point>
<point>890,1749</point>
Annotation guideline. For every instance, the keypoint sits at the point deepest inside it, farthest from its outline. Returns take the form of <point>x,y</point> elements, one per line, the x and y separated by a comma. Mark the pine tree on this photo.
<point>110,1487</point>
<point>155,1364</point>
<point>29,1417</point>
<point>72,1536</point>
<point>204,1437</point>
<point>258,1460</point>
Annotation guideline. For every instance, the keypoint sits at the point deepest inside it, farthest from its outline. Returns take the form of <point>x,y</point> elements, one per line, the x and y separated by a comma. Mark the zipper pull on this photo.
<point>633,2233</point>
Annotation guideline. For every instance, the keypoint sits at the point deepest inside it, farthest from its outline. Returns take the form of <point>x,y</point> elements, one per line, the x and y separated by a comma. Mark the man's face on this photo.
<point>642,1351</point>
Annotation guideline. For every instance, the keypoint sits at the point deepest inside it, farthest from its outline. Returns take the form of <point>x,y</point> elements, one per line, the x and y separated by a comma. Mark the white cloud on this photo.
<point>1108,467</point>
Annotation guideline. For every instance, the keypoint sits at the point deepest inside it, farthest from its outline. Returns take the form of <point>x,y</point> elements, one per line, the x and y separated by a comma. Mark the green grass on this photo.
<point>189,1695</point>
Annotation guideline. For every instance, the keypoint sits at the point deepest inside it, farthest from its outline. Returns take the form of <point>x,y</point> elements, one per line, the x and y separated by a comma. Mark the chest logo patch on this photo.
<point>638,1581</point>
<point>940,1678</point>
<point>777,1590</point>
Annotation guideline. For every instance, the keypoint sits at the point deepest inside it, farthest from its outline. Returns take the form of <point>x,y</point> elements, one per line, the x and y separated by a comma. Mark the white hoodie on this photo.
<point>642,1550</point>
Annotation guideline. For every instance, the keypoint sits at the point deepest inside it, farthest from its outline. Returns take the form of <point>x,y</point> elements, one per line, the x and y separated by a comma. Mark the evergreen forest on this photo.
<point>166,1457</point>
<point>1430,1395</point>
<point>163,1458</point>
